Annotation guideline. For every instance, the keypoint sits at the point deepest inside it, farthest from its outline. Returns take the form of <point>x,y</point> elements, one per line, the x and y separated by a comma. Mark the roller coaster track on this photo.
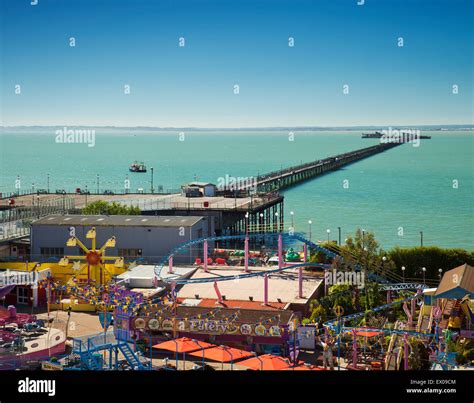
<point>378,270</point>
<point>333,322</point>
<point>385,286</point>
<point>200,241</point>
<point>372,267</point>
<point>385,283</point>
<point>241,276</point>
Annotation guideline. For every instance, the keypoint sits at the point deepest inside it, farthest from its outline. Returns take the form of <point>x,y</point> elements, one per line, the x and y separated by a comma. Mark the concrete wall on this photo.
<point>155,242</point>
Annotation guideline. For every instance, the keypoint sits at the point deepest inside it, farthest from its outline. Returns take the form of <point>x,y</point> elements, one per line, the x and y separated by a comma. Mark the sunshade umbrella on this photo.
<point>182,345</point>
<point>222,354</point>
<point>266,362</point>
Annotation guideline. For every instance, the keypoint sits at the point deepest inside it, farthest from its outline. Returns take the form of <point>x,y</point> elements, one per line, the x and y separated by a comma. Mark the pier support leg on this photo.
<point>389,297</point>
<point>246,252</point>
<point>170,264</point>
<point>205,256</point>
<point>265,289</point>
<point>300,282</point>
<point>280,251</point>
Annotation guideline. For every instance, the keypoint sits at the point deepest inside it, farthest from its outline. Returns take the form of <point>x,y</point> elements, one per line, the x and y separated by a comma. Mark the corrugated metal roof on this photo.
<point>119,220</point>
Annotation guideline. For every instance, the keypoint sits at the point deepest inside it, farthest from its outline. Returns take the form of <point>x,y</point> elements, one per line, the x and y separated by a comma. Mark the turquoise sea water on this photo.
<point>409,188</point>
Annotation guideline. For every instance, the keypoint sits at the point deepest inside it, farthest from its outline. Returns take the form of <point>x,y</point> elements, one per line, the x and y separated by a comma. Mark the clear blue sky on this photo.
<point>229,42</point>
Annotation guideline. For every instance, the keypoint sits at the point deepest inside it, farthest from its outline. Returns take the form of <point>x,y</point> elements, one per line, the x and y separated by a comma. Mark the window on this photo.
<point>130,252</point>
<point>22,295</point>
<point>52,252</point>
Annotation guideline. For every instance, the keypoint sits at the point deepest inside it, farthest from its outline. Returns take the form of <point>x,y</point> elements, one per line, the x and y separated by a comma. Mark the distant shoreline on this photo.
<point>431,128</point>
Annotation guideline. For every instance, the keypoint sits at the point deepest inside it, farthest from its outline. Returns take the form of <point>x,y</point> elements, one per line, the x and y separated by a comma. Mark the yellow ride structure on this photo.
<point>91,268</point>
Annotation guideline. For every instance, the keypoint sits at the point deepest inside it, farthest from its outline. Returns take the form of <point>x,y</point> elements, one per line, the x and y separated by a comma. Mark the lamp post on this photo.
<point>440,271</point>
<point>310,222</point>
<point>47,182</point>
<point>261,221</point>
<point>423,269</point>
<point>98,181</point>
<point>64,201</point>
<point>328,232</point>
<point>86,195</point>
<point>277,227</point>
<point>247,222</point>
<point>421,238</point>
<point>339,230</point>
<point>403,273</point>
<point>152,190</point>
<point>292,223</point>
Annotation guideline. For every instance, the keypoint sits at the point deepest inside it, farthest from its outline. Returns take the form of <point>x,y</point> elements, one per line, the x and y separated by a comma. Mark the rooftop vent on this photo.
<point>251,298</point>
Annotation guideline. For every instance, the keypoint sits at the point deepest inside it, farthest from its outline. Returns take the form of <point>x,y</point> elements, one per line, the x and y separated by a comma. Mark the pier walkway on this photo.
<point>293,175</point>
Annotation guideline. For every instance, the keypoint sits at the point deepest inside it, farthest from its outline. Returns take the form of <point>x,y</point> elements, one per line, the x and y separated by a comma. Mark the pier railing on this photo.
<point>291,175</point>
<point>38,208</point>
<point>198,203</point>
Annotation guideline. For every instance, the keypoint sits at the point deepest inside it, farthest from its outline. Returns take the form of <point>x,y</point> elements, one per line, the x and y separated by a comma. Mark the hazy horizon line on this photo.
<point>197,128</point>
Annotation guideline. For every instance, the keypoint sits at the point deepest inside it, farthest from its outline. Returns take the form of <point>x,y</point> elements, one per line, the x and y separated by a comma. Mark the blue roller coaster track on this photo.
<point>294,237</point>
<point>286,236</point>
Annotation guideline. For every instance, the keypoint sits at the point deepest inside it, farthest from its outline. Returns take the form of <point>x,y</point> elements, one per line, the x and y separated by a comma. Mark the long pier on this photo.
<point>232,213</point>
<point>296,174</point>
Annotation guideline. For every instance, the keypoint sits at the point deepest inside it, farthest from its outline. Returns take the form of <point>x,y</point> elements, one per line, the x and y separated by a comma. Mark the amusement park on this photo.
<point>259,300</point>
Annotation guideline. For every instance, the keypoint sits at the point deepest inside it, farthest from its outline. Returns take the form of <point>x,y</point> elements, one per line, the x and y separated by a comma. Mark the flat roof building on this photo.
<point>142,238</point>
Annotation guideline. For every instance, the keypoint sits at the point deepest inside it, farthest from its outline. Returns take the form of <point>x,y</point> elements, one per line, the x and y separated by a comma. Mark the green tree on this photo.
<point>364,249</point>
<point>433,258</point>
<point>101,207</point>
